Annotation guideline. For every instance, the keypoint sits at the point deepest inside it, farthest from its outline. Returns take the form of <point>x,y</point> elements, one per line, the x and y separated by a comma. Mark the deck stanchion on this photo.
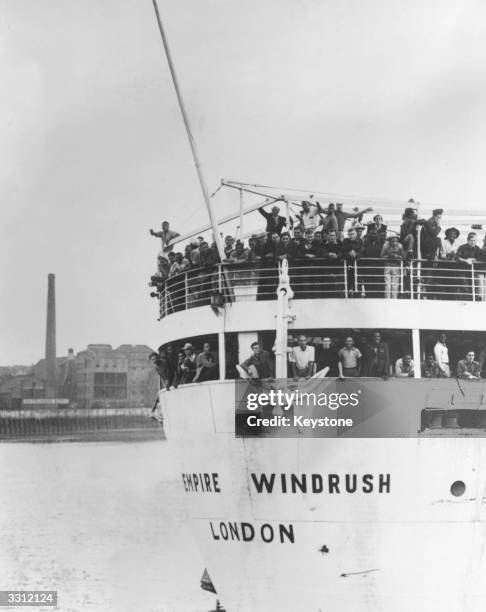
<point>419,279</point>
<point>416,353</point>
<point>355,276</point>
<point>222,356</point>
<point>186,291</point>
<point>473,284</point>
<point>401,277</point>
<point>345,280</point>
<point>411,280</point>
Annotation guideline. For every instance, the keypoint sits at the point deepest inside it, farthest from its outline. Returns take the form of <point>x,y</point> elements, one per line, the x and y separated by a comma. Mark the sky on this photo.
<point>380,98</point>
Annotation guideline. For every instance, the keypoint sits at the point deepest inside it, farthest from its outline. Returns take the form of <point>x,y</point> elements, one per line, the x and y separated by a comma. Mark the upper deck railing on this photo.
<point>317,278</point>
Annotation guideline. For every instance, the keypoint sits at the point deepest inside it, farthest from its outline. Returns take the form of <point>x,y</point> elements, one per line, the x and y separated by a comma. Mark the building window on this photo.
<point>110,385</point>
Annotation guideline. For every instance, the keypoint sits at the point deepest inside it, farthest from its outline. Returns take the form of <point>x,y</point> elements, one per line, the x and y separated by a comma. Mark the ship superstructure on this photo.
<point>392,522</point>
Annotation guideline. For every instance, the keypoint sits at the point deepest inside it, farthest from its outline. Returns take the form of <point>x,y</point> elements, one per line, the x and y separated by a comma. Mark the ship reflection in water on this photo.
<point>97,522</point>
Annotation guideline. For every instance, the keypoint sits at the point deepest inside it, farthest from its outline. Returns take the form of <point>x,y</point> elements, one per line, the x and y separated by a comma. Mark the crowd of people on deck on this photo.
<point>366,356</point>
<point>178,366</point>
<point>371,359</point>
<point>318,236</point>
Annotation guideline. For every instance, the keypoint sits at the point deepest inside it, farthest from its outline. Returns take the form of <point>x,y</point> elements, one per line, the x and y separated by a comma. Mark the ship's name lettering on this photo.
<point>321,483</point>
<point>201,483</point>
<point>246,532</point>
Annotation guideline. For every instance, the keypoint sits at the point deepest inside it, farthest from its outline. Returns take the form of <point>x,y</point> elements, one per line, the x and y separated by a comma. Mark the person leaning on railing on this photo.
<point>404,367</point>
<point>181,264</point>
<point>229,245</point>
<point>371,266</point>
<point>286,248</point>
<point>303,280</point>
<point>349,359</point>
<point>468,368</point>
<point>429,235</point>
<point>172,365</point>
<point>376,357</point>
<point>429,368</point>
<point>448,285</point>
<point>253,256</point>
<point>239,255</point>
<point>408,230</point>
<point>161,274</point>
<point>352,249</point>
<point>467,255</point>
<point>259,364</point>
<point>326,357</point>
<point>187,365</point>
<point>481,268</point>
<point>378,226</point>
<point>302,359</point>
<point>393,253</point>
<point>206,365</point>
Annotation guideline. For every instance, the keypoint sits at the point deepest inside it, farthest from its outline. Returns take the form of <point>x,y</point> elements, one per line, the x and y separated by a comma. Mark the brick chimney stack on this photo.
<point>51,337</point>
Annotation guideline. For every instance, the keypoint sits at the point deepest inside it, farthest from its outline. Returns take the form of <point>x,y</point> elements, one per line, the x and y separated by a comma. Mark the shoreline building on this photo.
<point>96,377</point>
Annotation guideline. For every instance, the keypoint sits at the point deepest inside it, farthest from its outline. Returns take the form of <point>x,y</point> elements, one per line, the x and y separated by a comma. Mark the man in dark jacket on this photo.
<point>408,230</point>
<point>429,236</point>
<point>370,264</point>
<point>467,255</point>
<point>275,222</point>
<point>286,248</point>
<point>172,365</point>
<point>258,365</point>
<point>376,357</point>
<point>206,365</point>
<point>327,357</point>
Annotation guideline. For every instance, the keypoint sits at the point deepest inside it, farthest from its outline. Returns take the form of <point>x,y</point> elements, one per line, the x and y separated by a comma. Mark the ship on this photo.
<point>388,515</point>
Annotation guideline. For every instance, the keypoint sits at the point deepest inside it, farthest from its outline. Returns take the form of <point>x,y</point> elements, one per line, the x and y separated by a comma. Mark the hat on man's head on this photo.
<point>452,229</point>
<point>437,211</point>
<point>187,345</point>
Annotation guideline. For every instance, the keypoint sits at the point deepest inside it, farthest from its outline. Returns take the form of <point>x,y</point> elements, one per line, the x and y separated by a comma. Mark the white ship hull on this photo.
<point>400,541</point>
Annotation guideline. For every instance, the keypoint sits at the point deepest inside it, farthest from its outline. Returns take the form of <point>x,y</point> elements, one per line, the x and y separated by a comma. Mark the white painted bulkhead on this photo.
<point>252,316</point>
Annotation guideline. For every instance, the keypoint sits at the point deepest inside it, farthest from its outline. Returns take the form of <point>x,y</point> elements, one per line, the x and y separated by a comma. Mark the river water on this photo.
<point>99,523</point>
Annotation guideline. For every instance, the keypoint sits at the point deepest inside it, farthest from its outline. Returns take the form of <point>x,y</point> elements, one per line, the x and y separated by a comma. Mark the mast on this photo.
<point>192,142</point>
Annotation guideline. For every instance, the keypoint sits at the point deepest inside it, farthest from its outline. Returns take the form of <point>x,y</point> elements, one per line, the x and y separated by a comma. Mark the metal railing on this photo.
<point>317,278</point>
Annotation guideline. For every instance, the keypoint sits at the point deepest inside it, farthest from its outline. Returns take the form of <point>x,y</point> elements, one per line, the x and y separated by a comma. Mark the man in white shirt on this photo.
<point>441,353</point>
<point>302,359</point>
<point>166,235</point>
<point>404,366</point>
<point>310,216</point>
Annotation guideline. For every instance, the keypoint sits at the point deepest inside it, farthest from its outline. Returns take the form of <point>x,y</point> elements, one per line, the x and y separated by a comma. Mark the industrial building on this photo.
<point>97,377</point>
